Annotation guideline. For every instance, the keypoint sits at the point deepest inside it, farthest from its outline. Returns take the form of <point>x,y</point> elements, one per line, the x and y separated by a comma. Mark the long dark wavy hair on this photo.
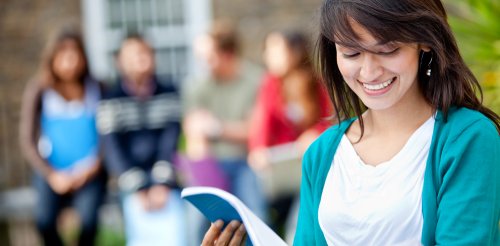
<point>407,21</point>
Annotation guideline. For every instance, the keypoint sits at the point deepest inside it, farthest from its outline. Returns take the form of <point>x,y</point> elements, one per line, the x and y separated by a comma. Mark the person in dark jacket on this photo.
<point>139,121</point>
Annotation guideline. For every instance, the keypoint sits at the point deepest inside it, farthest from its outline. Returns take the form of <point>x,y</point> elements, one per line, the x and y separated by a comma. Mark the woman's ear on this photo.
<point>425,48</point>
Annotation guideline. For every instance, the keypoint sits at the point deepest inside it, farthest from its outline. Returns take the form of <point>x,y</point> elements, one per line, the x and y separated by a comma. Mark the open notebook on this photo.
<point>218,204</point>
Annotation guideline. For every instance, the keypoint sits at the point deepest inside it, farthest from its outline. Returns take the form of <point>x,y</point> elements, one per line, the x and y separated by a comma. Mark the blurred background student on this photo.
<point>218,110</point>
<point>292,106</point>
<point>59,138</point>
<point>139,121</point>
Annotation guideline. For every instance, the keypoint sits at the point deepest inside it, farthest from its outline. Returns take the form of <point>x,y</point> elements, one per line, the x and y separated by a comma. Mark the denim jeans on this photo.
<point>86,202</point>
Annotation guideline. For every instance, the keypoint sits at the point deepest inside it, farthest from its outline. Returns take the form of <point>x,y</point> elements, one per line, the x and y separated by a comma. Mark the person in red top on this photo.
<point>292,105</point>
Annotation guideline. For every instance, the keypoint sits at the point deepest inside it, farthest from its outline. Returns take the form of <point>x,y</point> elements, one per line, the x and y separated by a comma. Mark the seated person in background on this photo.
<point>139,121</point>
<point>59,138</point>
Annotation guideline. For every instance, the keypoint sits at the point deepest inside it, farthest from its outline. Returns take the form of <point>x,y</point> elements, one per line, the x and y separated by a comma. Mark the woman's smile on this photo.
<point>378,88</point>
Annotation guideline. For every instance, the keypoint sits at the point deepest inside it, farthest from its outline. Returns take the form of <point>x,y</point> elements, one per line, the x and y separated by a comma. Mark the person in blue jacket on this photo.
<point>140,124</point>
<point>415,159</point>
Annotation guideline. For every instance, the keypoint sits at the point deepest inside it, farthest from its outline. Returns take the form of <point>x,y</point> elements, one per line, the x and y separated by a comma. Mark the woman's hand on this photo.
<point>80,180</point>
<point>234,234</point>
<point>60,182</point>
<point>83,176</point>
<point>258,159</point>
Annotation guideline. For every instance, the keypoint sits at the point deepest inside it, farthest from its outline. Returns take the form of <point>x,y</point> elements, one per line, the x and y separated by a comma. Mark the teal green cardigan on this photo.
<point>461,193</point>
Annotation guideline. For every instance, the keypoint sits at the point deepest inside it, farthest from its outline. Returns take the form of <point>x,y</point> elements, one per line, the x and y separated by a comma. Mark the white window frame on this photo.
<point>101,40</point>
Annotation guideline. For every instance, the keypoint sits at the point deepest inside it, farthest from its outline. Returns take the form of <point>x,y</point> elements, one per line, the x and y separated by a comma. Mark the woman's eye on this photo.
<point>350,55</point>
<point>390,52</point>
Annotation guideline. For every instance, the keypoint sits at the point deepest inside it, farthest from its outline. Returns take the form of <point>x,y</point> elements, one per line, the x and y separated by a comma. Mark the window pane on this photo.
<point>162,12</point>
<point>115,15</point>
<point>177,12</point>
<point>146,14</point>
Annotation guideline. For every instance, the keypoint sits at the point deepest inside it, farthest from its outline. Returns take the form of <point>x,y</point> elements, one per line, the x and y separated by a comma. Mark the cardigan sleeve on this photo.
<point>304,234</point>
<point>469,195</point>
<point>315,166</point>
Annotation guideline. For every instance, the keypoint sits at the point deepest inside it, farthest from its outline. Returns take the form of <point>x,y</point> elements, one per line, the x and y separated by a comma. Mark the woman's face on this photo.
<point>384,75</point>
<point>277,55</point>
<point>68,63</point>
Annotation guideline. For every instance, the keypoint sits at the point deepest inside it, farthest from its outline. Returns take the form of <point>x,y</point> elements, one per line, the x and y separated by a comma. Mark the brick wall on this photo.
<point>257,18</point>
<point>24,28</point>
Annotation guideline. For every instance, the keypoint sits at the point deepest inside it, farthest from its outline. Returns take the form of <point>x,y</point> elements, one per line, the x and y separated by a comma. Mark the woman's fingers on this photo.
<point>227,235</point>
<point>239,236</point>
<point>233,234</point>
<point>212,233</point>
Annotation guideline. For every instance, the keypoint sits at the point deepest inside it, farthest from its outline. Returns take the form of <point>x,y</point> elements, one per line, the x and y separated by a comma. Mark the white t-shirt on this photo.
<point>376,205</point>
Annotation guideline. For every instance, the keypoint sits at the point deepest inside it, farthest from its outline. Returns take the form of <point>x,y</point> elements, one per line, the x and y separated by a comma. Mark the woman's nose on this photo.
<point>371,69</point>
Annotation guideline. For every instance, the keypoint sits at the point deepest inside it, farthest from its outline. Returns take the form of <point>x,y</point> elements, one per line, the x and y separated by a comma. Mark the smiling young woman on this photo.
<point>414,159</point>
<point>420,156</point>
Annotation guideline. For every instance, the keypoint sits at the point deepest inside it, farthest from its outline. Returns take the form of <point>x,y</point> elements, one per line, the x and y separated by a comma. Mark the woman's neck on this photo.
<point>70,90</point>
<point>403,117</point>
<point>387,131</point>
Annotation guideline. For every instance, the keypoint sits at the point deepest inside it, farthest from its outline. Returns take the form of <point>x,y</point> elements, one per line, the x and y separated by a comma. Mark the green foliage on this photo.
<point>110,237</point>
<point>476,24</point>
<point>105,236</point>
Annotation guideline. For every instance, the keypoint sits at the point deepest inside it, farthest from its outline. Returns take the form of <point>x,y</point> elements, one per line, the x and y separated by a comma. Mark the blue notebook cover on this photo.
<point>214,208</point>
<point>218,204</point>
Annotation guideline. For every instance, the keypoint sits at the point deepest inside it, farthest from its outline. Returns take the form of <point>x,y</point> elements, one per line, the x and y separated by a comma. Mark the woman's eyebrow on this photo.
<point>369,48</point>
<point>347,45</point>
